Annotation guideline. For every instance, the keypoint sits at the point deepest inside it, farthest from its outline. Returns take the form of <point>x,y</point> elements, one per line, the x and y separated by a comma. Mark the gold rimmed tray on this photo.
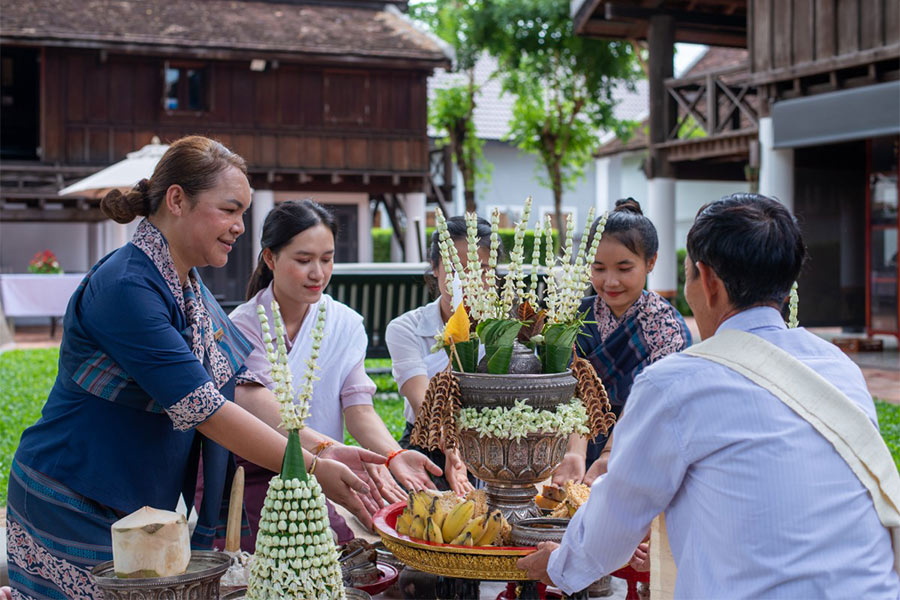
<point>492,563</point>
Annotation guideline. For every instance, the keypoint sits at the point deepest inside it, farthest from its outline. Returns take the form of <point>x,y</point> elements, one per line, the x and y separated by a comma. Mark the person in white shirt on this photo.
<point>757,502</point>
<point>411,336</point>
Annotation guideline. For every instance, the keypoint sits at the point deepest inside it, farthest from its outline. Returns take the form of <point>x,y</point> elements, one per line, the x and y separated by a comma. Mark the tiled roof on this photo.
<point>493,108</point>
<point>718,58</point>
<point>228,25</point>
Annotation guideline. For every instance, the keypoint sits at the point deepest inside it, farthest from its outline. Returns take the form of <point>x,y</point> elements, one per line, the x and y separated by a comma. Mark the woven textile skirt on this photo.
<point>54,537</point>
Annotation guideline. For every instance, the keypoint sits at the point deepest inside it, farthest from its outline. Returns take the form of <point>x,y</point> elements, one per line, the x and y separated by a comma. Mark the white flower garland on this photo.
<point>521,419</point>
<point>794,305</point>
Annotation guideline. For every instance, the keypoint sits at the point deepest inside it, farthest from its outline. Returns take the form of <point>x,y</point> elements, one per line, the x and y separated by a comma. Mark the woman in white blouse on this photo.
<point>410,338</point>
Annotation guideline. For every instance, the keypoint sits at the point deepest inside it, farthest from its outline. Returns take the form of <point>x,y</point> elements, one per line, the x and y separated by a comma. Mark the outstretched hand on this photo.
<point>411,470</point>
<point>570,469</point>
<point>342,486</point>
<point>535,564</point>
<point>455,472</point>
<point>387,486</point>
<point>358,460</point>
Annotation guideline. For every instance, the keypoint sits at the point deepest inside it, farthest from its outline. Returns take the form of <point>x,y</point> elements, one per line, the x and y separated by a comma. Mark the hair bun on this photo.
<point>628,205</point>
<point>123,208</point>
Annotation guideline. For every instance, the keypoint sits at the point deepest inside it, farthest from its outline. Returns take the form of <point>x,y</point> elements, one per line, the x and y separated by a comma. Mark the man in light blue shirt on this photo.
<point>758,504</point>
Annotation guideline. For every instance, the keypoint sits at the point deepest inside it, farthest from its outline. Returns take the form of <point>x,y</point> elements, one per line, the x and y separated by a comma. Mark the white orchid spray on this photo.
<point>493,303</point>
<point>473,282</point>
<point>535,265</point>
<point>514,286</point>
<point>793,307</point>
<point>294,411</point>
<point>576,274</point>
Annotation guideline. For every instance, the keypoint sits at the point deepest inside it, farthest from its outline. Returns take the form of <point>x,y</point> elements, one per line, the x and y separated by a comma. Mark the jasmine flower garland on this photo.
<point>522,419</point>
<point>794,305</point>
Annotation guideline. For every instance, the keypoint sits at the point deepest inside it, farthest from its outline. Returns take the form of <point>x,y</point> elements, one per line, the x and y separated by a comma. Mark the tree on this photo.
<point>563,83</point>
<point>451,112</point>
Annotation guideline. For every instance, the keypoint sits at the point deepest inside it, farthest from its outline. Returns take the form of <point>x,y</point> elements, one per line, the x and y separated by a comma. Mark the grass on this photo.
<point>26,377</point>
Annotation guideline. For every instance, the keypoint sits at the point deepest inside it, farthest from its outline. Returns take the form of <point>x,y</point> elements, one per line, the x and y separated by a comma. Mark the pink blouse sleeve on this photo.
<point>358,388</point>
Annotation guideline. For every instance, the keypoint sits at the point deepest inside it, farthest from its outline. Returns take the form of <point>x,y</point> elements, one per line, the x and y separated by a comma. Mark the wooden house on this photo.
<point>323,99</point>
<point>812,117</point>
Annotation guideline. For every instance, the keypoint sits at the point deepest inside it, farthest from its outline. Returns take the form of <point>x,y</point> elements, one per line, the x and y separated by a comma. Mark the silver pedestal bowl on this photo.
<point>510,468</point>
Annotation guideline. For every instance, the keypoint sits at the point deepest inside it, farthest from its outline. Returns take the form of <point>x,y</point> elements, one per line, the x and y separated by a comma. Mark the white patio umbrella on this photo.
<point>123,175</point>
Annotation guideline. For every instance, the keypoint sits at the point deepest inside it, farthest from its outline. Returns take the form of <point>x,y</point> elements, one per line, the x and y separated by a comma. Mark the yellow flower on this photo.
<point>457,328</point>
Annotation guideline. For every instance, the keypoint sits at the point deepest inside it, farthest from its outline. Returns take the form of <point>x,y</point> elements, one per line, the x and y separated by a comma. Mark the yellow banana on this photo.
<point>464,539</point>
<point>403,522</point>
<point>492,526</point>
<point>417,528</point>
<point>437,511</point>
<point>418,504</point>
<point>433,532</point>
<point>457,519</point>
<point>475,527</point>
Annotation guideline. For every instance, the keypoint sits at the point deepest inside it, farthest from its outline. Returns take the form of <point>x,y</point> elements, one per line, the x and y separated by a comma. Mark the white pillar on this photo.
<point>776,167</point>
<point>116,235</point>
<point>608,183</point>
<point>661,211</point>
<point>414,239</point>
<point>95,242</point>
<point>364,231</point>
<point>263,202</point>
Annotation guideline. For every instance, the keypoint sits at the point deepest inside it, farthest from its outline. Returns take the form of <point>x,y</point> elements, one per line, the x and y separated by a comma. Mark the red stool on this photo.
<point>632,578</point>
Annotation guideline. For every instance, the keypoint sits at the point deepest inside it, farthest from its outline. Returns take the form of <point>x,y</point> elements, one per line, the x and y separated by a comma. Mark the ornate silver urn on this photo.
<point>509,467</point>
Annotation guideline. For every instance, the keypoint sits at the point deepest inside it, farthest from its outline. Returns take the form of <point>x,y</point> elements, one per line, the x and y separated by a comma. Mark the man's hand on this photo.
<point>535,564</point>
<point>570,469</point>
<point>640,560</point>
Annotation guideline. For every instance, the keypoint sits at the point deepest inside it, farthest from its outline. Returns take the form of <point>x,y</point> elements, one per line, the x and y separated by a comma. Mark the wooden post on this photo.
<point>663,108</point>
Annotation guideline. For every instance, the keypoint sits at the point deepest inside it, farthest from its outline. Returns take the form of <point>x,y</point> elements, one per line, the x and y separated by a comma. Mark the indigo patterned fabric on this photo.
<point>620,348</point>
<point>143,361</point>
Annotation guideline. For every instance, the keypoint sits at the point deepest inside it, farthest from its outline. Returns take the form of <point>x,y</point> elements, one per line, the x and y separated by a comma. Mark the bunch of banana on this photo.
<point>445,518</point>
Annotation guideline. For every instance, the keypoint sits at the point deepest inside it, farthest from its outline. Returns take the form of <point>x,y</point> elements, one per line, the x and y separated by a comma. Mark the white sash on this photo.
<point>343,346</point>
<point>825,407</point>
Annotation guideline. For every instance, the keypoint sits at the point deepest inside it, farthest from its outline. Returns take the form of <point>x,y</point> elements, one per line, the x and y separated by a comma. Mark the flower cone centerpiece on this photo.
<point>511,414</point>
<point>295,552</point>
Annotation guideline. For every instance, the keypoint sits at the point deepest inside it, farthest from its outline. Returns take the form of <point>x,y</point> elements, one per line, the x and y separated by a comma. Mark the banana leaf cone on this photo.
<point>293,466</point>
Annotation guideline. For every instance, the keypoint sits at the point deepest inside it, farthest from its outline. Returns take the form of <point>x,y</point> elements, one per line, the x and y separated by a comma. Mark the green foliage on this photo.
<point>381,244</point>
<point>680,303</point>
<point>450,112</point>
<point>468,355</point>
<point>889,423</point>
<point>563,83</point>
<point>557,349</point>
<point>26,377</point>
<point>498,336</point>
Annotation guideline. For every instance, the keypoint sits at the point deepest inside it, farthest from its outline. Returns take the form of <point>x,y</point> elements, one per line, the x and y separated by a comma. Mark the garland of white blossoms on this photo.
<point>794,305</point>
<point>564,296</point>
<point>521,419</point>
<point>295,552</point>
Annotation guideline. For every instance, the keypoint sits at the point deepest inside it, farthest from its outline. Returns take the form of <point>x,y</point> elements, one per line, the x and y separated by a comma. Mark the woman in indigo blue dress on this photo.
<point>151,377</point>
<point>629,329</point>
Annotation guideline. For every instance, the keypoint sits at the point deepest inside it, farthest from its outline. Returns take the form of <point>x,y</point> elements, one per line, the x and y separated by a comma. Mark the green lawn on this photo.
<point>26,377</point>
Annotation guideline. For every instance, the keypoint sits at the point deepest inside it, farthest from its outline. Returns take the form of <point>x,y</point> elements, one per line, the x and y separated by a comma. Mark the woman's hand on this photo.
<point>570,469</point>
<point>455,472</point>
<point>343,487</point>
<point>597,469</point>
<point>387,486</point>
<point>411,468</point>
<point>357,459</point>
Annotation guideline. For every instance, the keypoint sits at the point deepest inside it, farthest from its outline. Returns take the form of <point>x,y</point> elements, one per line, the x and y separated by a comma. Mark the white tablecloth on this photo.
<point>30,295</point>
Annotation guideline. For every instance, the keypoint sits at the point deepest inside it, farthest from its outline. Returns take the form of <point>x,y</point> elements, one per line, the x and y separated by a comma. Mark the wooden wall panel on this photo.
<point>803,31</point>
<point>220,99</point>
<point>242,97</point>
<point>418,154</point>
<point>380,154</point>
<point>121,92</point>
<point>289,97</point>
<point>123,143</point>
<point>357,153</point>
<point>243,145</point>
<point>826,29</point>
<point>761,32</point>
<point>310,99</point>
<point>847,26</point>
<point>311,152</point>
<point>76,151</point>
<point>400,155</point>
<point>74,90</point>
<point>98,146</point>
<point>148,92</point>
<point>96,87</point>
<point>266,103</point>
<point>289,151</point>
<point>334,153</point>
<point>53,106</point>
<point>266,150</point>
<point>891,22</point>
<point>871,24</point>
<point>400,102</point>
<point>781,38</point>
<point>418,93</point>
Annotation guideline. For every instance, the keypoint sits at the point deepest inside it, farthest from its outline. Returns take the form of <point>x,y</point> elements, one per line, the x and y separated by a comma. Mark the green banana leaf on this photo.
<point>293,467</point>
<point>498,336</point>
<point>557,351</point>
<point>468,354</point>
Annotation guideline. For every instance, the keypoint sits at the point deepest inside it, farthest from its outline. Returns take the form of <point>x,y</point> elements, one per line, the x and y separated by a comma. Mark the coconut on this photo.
<point>151,543</point>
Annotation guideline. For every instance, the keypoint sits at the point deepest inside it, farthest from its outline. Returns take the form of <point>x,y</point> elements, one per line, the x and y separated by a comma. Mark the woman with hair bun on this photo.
<point>294,268</point>
<point>630,327</point>
<point>151,378</point>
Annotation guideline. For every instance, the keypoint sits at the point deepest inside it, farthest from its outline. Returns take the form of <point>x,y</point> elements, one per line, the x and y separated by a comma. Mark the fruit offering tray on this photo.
<point>489,563</point>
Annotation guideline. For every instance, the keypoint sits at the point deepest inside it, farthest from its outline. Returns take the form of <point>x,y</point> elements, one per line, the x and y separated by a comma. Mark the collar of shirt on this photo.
<point>431,323</point>
<point>758,317</point>
<point>607,322</point>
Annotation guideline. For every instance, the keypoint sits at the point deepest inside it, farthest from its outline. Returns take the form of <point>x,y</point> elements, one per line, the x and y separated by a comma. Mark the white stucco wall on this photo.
<point>19,242</point>
<point>515,177</point>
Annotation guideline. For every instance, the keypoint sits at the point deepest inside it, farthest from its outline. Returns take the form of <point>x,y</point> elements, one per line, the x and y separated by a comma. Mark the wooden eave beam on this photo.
<point>220,53</point>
